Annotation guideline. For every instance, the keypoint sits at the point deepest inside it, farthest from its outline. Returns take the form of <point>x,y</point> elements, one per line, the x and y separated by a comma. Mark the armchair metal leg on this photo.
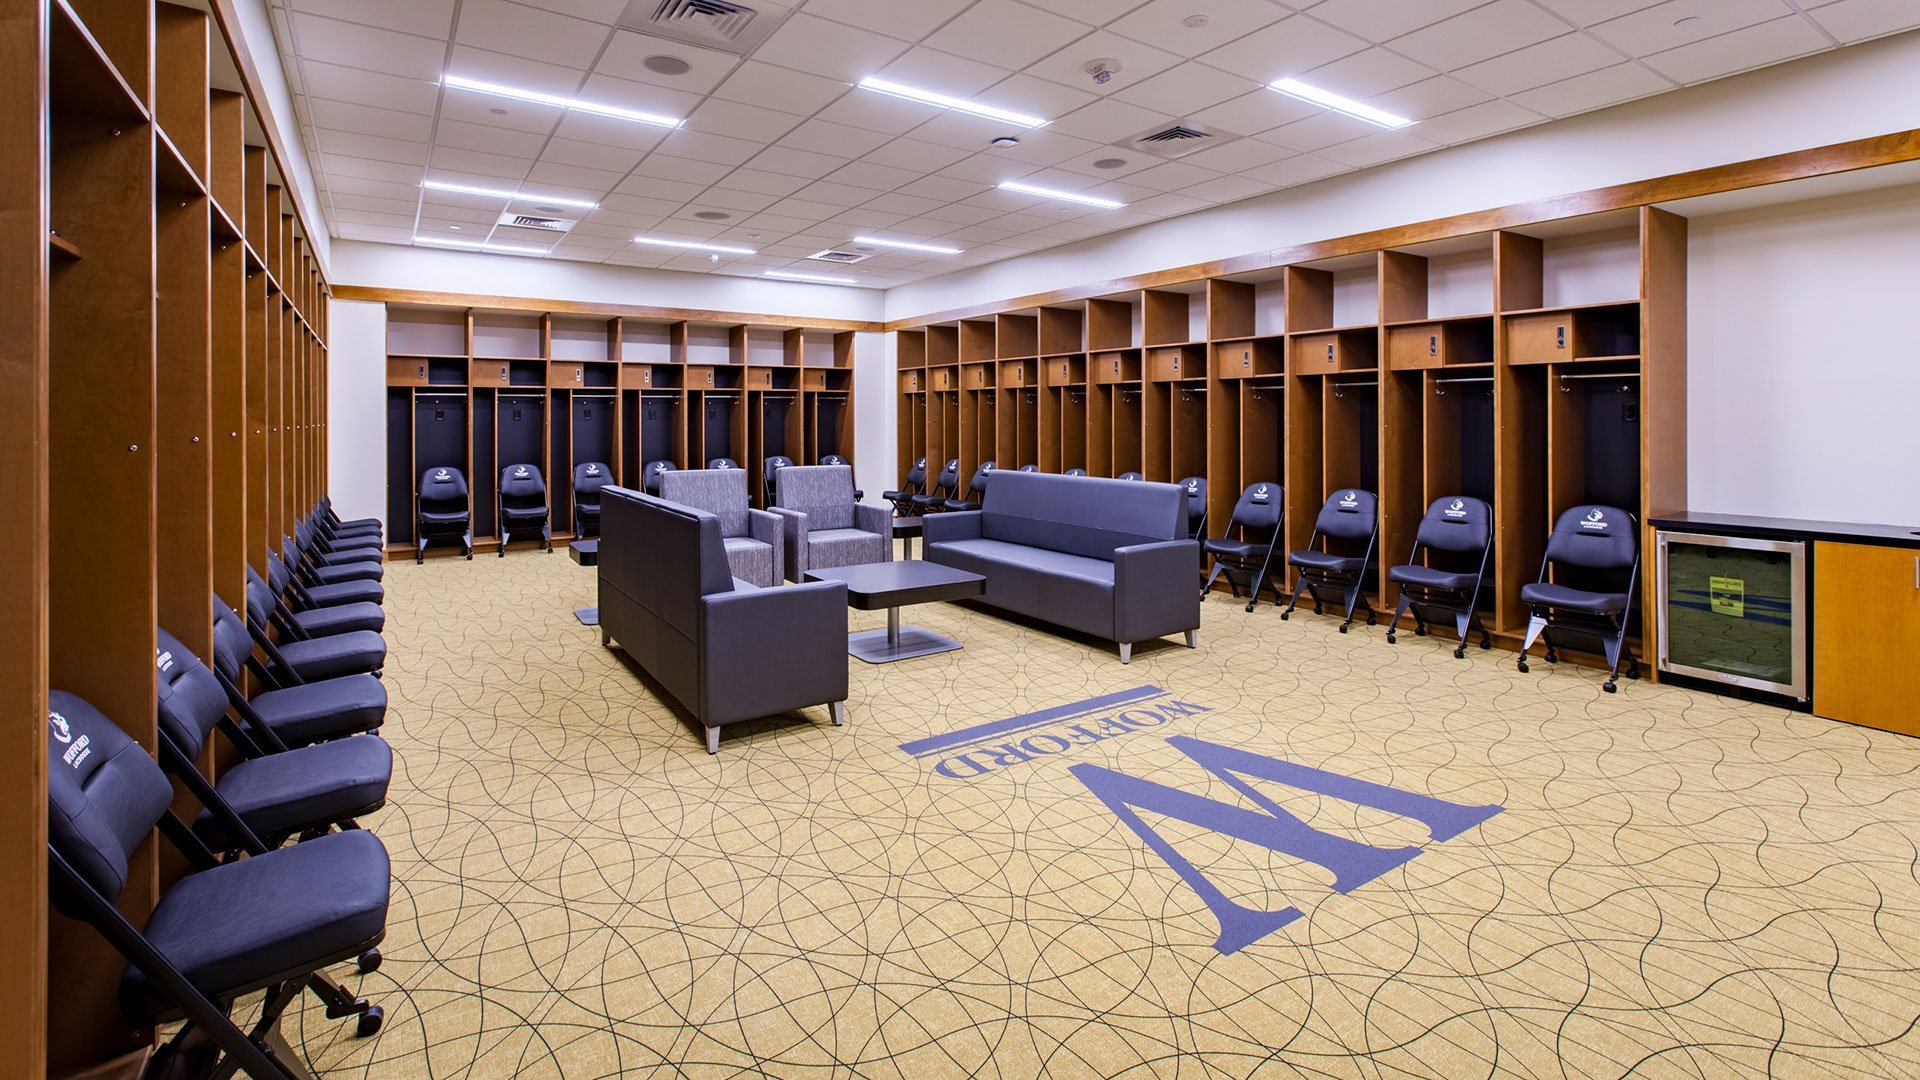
<point>713,740</point>
<point>1126,652</point>
<point>838,711</point>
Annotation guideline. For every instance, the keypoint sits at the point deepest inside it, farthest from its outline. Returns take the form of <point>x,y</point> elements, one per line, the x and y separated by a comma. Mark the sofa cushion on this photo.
<point>1097,571</point>
<point>750,559</point>
<point>843,547</point>
<point>822,492</point>
<point>1065,589</point>
<point>1087,516</point>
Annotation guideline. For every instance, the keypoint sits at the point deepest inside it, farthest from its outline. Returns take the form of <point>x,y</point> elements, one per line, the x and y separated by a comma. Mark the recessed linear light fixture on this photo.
<point>1327,99</point>
<point>825,279</point>
<point>501,193</point>
<point>1088,200</point>
<point>935,248</point>
<point>691,246</point>
<point>461,82</point>
<point>479,245</point>
<point>914,93</point>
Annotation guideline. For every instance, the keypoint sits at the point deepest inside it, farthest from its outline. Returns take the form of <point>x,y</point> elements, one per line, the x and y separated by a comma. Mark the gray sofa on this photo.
<point>751,537</point>
<point>1106,557</point>
<point>726,650</point>
<point>822,524</point>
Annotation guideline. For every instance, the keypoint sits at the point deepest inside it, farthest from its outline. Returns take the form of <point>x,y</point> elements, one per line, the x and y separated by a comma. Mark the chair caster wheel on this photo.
<point>1460,653</point>
<point>1343,628</point>
<point>1553,658</point>
<point>370,1021</point>
<point>1249,606</point>
<point>1486,645</point>
<point>370,961</point>
<point>1419,631</point>
<point>1523,667</point>
<point>1391,640</point>
<point>1284,614</point>
<point>1609,688</point>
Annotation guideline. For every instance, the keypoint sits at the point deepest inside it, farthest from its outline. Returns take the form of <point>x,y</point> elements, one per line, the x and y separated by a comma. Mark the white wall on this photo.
<point>357,408</point>
<point>1803,374</point>
<point>876,404</point>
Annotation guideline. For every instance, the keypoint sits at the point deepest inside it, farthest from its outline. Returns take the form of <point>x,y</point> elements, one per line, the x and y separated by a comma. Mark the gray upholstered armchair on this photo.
<point>823,526</point>
<point>751,537</point>
<point>725,650</point>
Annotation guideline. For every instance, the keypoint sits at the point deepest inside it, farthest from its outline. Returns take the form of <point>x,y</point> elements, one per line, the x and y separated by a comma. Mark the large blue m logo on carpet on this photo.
<point>1353,863</point>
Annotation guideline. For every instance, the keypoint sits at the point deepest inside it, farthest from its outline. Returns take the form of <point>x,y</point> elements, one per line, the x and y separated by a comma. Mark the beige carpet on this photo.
<point>1679,884</point>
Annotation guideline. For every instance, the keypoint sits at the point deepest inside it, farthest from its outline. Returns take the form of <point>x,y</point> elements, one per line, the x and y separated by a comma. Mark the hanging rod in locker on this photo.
<point>595,394</point>
<point>1339,386</point>
<point>1621,377</point>
<point>539,394</point>
<point>647,395</point>
<point>1440,385</point>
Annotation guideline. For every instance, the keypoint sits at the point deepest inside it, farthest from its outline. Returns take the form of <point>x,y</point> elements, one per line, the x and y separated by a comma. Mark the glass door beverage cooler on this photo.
<point>1733,610</point>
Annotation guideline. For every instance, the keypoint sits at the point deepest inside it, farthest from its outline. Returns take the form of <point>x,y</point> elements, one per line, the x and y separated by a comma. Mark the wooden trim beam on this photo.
<point>377,294</point>
<point>1890,149</point>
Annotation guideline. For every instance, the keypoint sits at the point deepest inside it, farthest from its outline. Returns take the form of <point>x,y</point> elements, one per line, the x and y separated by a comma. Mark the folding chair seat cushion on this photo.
<point>1547,594</point>
<point>357,527</point>
<point>328,709</point>
<point>343,557</point>
<point>340,618</point>
<point>1232,546</point>
<point>355,652</point>
<point>1328,562</point>
<point>347,592</point>
<point>369,542</point>
<point>255,922</point>
<point>334,574</point>
<point>1429,578</point>
<point>280,793</point>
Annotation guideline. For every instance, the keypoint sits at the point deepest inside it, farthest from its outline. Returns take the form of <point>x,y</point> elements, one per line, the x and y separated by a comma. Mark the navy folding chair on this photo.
<point>650,475</point>
<point>305,659</point>
<point>722,463</point>
<point>1587,578</point>
<point>588,478</point>
<point>1456,538</point>
<point>1349,520</point>
<point>314,594</point>
<point>976,489</point>
<point>1075,471</point>
<point>914,484</point>
<point>1129,476</point>
<point>443,511</point>
<point>1029,468</point>
<point>1194,488</point>
<point>522,506</point>
<point>945,486</point>
<point>773,464</point>
<point>285,712</point>
<point>1252,535</point>
<point>314,620</point>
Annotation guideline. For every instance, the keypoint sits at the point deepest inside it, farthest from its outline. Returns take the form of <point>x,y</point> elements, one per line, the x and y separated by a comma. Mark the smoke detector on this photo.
<point>725,25</point>
<point>1103,69</point>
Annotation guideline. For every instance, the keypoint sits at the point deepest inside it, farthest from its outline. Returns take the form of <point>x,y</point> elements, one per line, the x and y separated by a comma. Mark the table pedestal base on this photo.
<point>897,642</point>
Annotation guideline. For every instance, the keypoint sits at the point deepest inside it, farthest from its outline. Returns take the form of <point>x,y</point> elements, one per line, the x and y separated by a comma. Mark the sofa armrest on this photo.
<point>767,651</point>
<point>765,526</point>
<point>875,519</point>
<point>942,528</point>
<point>793,532</point>
<point>1155,590</point>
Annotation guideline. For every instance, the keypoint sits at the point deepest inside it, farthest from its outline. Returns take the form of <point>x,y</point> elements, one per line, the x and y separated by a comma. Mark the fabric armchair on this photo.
<point>751,537</point>
<point>822,526</point>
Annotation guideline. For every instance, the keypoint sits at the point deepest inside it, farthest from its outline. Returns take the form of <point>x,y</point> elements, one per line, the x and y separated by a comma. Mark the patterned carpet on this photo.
<point>1678,885</point>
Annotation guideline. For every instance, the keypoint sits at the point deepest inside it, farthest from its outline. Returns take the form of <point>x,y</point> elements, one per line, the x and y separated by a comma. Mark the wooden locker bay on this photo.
<point>1536,367</point>
<point>483,390</point>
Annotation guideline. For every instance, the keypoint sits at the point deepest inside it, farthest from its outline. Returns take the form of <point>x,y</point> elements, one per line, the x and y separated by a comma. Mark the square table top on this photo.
<point>872,586</point>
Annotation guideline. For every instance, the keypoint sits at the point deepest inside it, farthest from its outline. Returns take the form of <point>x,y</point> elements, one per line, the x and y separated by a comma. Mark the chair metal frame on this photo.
<point>1351,586</point>
<point>1423,601</point>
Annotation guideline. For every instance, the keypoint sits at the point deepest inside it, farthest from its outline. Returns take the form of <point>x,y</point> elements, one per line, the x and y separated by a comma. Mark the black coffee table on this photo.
<point>893,585</point>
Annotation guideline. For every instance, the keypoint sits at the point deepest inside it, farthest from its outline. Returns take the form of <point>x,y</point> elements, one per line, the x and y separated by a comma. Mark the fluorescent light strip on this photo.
<point>913,93</point>
<point>501,193</point>
<point>1089,200</point>
<point>461,82</point>
<point>790,276</point>
<point>1327,99</point>
<point>904,245</point>
<point>478,245</point>
<point>690,245</point>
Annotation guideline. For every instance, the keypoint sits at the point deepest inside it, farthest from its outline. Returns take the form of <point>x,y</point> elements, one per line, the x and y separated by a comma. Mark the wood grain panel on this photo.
<point>576,307</point>
<point>1866,617</point>
<point>184,421</point>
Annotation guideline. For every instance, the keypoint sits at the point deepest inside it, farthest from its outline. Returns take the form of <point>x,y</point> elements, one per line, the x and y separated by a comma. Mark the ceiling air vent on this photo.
<point>833,256</point>
<point>711,24</point>
<point>1179,140</point>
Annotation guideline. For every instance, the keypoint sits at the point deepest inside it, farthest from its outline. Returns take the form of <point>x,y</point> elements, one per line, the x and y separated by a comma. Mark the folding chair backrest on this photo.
<point>1075,471</point>
<point>191,700</point>
<point>104,793</point>
<point>916,476</point>
<point>722,463</point>
<point>833,459</point>
<point>1459,523</point>
<point>1029,468</point>
<point>650,475</point>
<point>1592,537</point>
<point>588,478</point>
<point>232,645</point>
<point>773,465</point>
<point>259,601</point>
<point>1195,489</point>
<point>521,488</point>
<point>1129,476</point>
<point>949,479</point>
<point>1349,514</point>
<point>277,576</point>
<point>981,476</point>
<point>443,490</point>
<point>1259,508</point>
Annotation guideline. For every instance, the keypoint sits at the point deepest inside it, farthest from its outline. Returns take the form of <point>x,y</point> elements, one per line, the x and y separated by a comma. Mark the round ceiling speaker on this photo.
<point>666,65</point>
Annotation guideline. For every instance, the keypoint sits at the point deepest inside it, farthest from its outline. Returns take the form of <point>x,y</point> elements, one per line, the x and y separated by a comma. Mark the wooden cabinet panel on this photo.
<point>817,380</point>
<point>636,376</point>
<point>1062,371</point>
<point>1016,373</point>
<point>1866,623</point>
<point>977,377</point>
<point>699,378</point>
<point>1540,339</point>
<point>910,382</point>
<point>940,379</point>
<point>1410,348</point>
<point>1315,354</point>
<point>759,378</point>
<point>563,374</point>
<point>1163,365</point>
<point>489,373</point>
<point>405,372</point>
<point>1113,368</point>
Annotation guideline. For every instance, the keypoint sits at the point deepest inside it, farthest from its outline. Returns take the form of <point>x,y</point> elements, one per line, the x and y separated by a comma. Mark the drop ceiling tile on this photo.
<point>369,217</point>
<point>869,111</point>
<point>716,149</point>
<point>1130,162</point>
<point>761,183</point>
<point>1316,132</point>
<point>1171,176</point>
<point>1383,20</point>
<point>1005,33</point>
<point>1186,89</point>
<point>627,52</point>
<point>323,80</point>
<point>1039,148</point>
<point>839,140</point>
<point>1288,47</point>
<point>1858,20</point>
<point>1748,47</point>
<point>566,180</point>
<point>894,202</point>
<point>606,89</point>
<point>1376,148</point>
<point>1301,169</point>
<point>368,120</point>
<point>356,46</point>
<point>1537,65</point>
<point>404,207</point>
<point>861,217</point>
<point>431,18</point>
<point>349,144</point>
<point>1589,12</point>
<point>586,127</point>
<point>1679,22</point>
<point>1109,120</point>
<point>1367,73</point>
<point>754,83</point>
<point>517,71</point>
<point>340,184</point>
<point>1477,121</point>
<point>807,208</point>
<point>337,164</point>
<point>944,73</point>
<point>965,131</point>
<point>834,50</point>
<point>591,155</point>
<point>492,140</point>
<point>776,224</point>
<point>1091,12</point>
<point>912,154</point>
<point>718,116</point>
<point>906,21</point>
<point>942,187</point>
<point>1163,23</point>
<point>1138,63</point>
<point>961,213</point>
<point>1437,96</point>
<point>460,215</point>
<point>494,112</point>
<point>1227,189</point>
<point>1499,27</point>
<point>606,12</point>
<point>832,194</point>
<point>479,164</point>
<point>988,169</point>
<point>787,161</point>
<point>1593,90</point>
<point>375,233</point>
<point>1240,155</point>
<point>502,27</point>
<point>661,177</point>
<point>866,174</point>
<point>1251,114</point>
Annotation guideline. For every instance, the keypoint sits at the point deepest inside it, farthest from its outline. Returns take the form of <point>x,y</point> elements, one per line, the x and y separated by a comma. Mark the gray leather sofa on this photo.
<point>726,650</point>
<point>1106,557</point>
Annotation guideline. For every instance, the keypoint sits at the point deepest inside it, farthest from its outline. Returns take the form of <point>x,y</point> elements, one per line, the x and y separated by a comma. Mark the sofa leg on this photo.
<point>713,740</point>
<point>838,711</point>
<point>606,639</point>
<point>1126,652</point>
<point>1193,639</point>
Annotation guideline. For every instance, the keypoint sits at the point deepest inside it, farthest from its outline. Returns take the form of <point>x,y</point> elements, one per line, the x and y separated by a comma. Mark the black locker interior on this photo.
<point>400,465</point>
